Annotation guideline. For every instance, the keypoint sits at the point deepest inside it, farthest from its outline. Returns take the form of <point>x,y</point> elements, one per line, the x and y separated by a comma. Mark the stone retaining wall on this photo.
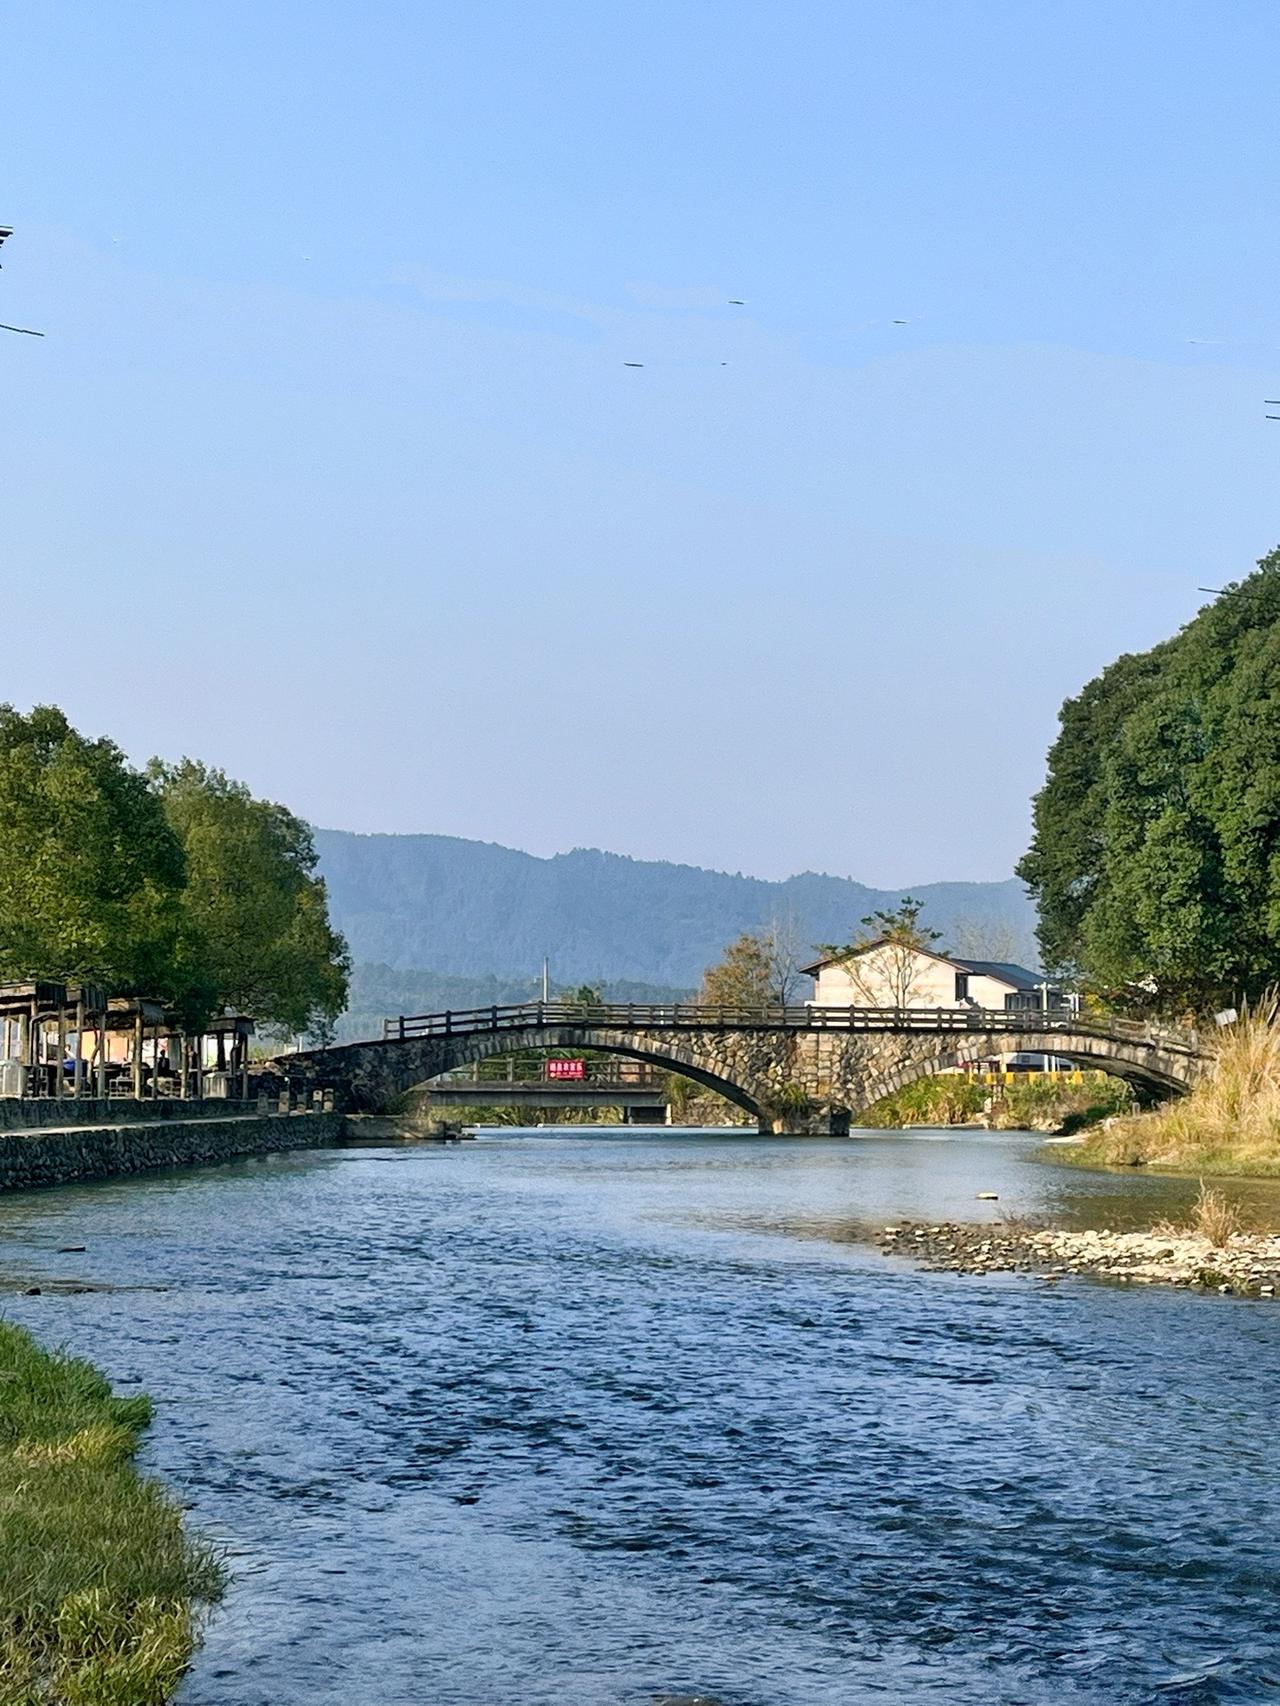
<point>63,1157</point>
<point>21,1113</point>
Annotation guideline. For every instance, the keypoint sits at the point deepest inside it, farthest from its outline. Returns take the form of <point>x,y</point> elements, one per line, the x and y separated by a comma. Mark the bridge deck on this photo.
<point>640,1016</point>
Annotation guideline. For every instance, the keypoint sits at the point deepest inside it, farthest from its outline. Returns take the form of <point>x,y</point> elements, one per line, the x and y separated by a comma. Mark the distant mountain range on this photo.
<point>465,917</point>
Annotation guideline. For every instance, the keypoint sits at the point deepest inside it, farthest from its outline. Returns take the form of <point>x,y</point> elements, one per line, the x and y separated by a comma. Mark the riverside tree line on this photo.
<point>1155,863</point>
<point>172,882</point>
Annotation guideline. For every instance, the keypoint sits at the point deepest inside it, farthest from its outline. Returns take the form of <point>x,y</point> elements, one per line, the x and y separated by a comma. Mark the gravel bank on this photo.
<point>1248,1264</point>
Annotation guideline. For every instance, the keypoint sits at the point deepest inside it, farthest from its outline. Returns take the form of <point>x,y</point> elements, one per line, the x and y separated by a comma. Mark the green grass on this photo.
<point>1144,1144</point>
<point>947,1099</point>
<point>99,1584</point>
<point>1054,1104</point>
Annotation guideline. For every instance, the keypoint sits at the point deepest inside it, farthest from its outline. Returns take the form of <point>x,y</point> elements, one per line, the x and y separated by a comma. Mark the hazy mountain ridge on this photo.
<point>469,909</point>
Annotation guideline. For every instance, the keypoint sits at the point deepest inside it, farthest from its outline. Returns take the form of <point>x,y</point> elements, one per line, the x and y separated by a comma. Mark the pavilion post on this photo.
<point>62,1050</point>
<point>79,1077</point>
<point>137,1055</point>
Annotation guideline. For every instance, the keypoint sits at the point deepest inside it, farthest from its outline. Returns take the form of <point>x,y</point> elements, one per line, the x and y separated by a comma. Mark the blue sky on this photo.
<point>329,469</point>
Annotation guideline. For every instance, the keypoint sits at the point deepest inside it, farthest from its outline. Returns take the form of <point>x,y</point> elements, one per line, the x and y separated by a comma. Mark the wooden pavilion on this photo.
<point>73,1039</point>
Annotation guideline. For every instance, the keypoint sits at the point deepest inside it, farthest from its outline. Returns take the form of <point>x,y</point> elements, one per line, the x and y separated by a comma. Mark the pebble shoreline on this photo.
<point>1247,1265</point>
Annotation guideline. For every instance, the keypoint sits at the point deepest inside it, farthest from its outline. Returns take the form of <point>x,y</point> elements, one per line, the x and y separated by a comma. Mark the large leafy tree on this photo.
<point>91,872</point>
<point>1155,861</point>
<point>256,933</point>
<point>1064,867</point>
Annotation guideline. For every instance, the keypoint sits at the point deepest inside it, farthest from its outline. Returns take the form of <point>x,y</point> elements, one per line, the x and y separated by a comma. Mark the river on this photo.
<point>602,1420</point>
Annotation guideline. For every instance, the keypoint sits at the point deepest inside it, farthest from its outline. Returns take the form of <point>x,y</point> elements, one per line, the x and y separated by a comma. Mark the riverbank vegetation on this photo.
<point>1037,1102</point>
<point>1229,1123</point>
<point>99,1585</point>
<point>174,883</point>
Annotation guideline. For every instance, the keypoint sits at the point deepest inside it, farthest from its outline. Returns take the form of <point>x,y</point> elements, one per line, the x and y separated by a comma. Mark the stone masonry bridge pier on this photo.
<point>794,1069</point>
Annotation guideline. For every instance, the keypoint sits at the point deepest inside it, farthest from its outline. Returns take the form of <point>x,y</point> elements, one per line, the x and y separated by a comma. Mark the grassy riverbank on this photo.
<point>1039,1103</point>
<point>1228,1125</point>
<point>97,1578</point>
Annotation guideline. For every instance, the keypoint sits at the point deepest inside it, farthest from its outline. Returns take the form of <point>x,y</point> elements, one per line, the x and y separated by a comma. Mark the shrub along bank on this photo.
<point>1032,1104</point>
<point>98,1582</point>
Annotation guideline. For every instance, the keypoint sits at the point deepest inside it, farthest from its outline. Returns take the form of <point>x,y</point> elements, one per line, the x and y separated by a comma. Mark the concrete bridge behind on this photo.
<point>636,1090</point>
<point>794,1069</point>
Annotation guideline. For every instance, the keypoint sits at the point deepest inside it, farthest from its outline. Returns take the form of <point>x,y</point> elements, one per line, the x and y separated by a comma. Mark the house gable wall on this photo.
<point>885,976</point>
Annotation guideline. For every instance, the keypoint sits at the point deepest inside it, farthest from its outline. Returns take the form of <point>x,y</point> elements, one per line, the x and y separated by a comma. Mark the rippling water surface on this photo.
<point>604,1420</point>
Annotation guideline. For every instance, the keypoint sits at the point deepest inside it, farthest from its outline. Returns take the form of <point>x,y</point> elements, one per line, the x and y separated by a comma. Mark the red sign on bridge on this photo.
<point>562,1069</point>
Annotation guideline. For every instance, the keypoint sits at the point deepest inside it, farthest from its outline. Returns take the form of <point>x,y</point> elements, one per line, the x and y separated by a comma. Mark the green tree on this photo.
<point>91,872</point>
<point>901,924</point>
<point>1155,860</point>
<point>256,934</point>
<point>1064,867</point>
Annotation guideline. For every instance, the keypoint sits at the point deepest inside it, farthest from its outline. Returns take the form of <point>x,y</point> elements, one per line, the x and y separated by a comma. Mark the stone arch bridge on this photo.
<point>795,1069</point>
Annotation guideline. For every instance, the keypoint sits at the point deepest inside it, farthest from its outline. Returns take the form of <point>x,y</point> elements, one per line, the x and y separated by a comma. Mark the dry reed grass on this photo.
<point>1230,1121</point>
<point>1212,1217</point>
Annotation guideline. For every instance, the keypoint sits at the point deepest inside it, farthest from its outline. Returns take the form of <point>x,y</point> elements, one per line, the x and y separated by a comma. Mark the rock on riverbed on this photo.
<point>1248,1263</point>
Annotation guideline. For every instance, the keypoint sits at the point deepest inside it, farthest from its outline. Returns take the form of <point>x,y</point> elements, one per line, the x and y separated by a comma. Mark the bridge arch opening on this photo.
<point>469,1051</point>
<point>1083,1054</point>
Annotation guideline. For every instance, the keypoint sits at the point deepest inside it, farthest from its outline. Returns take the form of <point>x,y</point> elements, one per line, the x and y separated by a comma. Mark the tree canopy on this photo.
<point>256,924</point>
<point>740,978</point>
<point>757,969</point>
<point>900,926</point>
<point>1155,859</point>
<point>90,869</point>
<point>176,884</point>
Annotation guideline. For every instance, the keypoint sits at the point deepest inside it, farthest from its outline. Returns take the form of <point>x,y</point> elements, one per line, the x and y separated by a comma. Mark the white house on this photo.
<point>891,974</point>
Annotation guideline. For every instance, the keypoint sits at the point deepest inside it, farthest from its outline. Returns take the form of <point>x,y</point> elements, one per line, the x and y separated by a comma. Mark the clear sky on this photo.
<point>329,469</point>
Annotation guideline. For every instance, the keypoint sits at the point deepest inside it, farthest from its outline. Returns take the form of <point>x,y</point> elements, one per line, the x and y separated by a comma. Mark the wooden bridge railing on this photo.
<point>643,1016</point>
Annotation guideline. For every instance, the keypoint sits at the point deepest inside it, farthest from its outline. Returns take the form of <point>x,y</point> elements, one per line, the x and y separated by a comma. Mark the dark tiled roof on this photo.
<point>1018,976</point>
